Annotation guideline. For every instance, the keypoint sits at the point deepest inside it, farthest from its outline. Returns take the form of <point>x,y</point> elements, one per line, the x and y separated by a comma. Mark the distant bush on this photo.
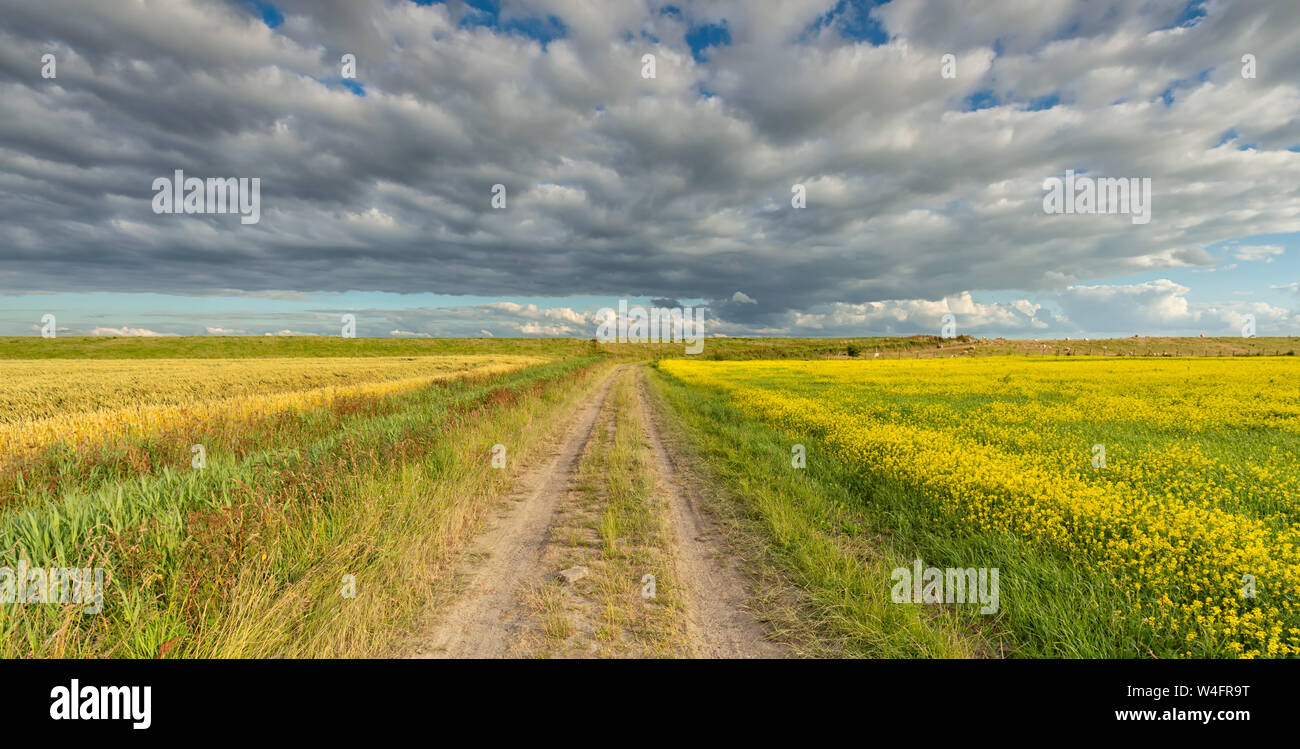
<point>853,350</point>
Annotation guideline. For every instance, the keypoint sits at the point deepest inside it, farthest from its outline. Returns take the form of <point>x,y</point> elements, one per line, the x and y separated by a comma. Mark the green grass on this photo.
<point>219,347</point>
<point>127,457</point>
<point>239,347</point>
<point>245,558</point>
<point>836,535</point>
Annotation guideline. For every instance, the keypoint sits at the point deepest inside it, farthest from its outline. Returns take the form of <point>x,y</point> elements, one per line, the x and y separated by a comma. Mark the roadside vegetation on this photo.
<point>322,545</point>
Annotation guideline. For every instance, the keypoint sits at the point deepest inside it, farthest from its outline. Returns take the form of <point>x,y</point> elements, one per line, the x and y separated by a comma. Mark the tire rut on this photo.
<point>718,621</point>
<point>483,620</point>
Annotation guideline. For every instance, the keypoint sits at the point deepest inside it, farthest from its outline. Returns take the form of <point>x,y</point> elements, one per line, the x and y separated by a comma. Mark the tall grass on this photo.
<point>247,556</point>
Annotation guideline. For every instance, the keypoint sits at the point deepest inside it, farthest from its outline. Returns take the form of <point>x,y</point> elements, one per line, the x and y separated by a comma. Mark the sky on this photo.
<point>796,167</point>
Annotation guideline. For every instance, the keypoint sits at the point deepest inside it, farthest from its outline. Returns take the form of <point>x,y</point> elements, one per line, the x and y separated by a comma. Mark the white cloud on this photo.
<point>1129,309</point>
<point>539,329</point>
<point>125,331</point>
<point>921,316</point>
<point>1250,253</point>
<point>619,185</point>
<point>1161,307</point>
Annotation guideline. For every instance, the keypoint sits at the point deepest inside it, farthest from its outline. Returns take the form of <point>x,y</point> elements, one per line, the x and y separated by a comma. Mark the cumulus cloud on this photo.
<point>1251,253</point>
<point>678,187</point>
<point>923,317</point>
<point>1159,304</point>
<point>143,332</point>
<point>1162,307</point>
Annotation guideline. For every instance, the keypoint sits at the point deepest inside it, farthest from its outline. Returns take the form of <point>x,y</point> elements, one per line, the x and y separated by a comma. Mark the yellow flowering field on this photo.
<point>1179,479</point>
<point>43,402</point>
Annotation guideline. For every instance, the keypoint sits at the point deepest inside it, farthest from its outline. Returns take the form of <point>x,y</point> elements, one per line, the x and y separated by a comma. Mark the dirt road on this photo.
<point>485,619</point>
<point>506,564</point>
<point>717,621</point>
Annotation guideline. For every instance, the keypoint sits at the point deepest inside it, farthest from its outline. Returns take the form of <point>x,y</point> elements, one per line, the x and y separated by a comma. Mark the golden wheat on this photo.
<point>45,402</point>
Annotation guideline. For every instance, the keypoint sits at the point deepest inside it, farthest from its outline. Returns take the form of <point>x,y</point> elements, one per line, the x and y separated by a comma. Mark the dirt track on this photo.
<point>717,621</point>
<point>481,623</point>
<point>488,619</point>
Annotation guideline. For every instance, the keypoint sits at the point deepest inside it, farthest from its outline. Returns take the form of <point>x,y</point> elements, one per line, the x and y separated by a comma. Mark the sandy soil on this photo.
<point>489,619</point>
<point>717,620</point>
<point>483,621</point>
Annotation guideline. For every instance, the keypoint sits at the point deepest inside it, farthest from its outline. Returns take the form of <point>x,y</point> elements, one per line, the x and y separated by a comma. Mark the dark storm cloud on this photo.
<point>622,186</point>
